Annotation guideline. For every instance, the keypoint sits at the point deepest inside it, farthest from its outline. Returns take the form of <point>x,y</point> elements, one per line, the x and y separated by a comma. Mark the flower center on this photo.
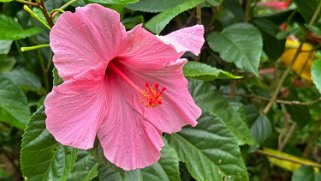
<point>151,96</point>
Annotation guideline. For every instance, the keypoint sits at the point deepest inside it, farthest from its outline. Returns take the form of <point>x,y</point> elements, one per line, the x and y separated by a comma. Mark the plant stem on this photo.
<point>26,8</point>
<point>67,4</point>
<point>315,14</point>
<point>233,89</point>
<point>210,24</point>
<point>247,10</point>
<point>24,49</point>
<point>233,86</point>
<point>287,137</point>
<point>28,3</point>
<point>49,62</point>
<point>284,75</point>
<point>44,72</point>
<point>45,13</point>
<point>295,102</point>
<point>312,139</point>
<point>282,79</point>
<point>198,15</point>
<point>262,152</point>
<point>56,11</point>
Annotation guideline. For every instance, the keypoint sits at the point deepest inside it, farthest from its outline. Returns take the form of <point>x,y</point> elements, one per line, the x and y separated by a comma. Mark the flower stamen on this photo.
<point>152,96</point>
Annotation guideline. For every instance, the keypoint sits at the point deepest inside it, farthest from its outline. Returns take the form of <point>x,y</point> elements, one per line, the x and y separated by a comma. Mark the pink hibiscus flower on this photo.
<point>125,87</point>
<point>277,5</point>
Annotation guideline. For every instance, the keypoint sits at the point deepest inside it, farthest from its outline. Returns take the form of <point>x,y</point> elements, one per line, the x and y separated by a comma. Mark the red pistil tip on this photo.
<point>152,96</point>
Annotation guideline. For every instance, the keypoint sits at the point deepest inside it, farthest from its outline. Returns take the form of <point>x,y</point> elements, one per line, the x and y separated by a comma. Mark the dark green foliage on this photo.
<point>239,71</point>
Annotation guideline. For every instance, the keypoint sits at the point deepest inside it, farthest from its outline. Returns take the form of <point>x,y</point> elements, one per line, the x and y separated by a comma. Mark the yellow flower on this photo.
<point>304,60</point>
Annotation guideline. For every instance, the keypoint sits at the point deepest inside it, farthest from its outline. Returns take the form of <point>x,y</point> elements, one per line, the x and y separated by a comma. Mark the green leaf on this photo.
<point>132,21</point>
<point>24,79</point>
<point>307,8</point>
<point>5,46</point>
<point>13,104</point>
<point>78,3</point>
<point>57,80</point>
<point>42,158</point>
<point>209,150</point>
<point>211,101</point>
<point>278,17</point>
<point>114,1</point>
<point>316,72</point>
<point>166,169</point>
<point>240,109</point>
<point>306,173</point>
<point>154,6</point>
<point>236,9</point>
<point>214,2</point>
<point>5,1</point>
<point>203,71</point>
<point>11,30</point>
<point>261,129</point>
<point>85,168</point>
<point>240,44</point>
<point>6,63</point>
<point>272,46</point>
<point>158,22</point>
<point>107,173</point>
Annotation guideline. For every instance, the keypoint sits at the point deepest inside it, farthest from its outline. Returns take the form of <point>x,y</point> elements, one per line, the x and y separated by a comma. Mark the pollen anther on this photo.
<point>152,96</point>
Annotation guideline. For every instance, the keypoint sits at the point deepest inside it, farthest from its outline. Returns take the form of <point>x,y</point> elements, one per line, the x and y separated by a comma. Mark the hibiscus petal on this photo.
<point>81,40</point>
<point>128,140</point>
<point>186,39</point>
<point>178,108</point>
<point>146,51</point>
<point>75,109</point>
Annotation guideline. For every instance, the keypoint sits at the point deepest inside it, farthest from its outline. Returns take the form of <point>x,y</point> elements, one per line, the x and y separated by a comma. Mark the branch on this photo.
<point>295,102</point>
<point>312,139</point>
<point>299,103</point>
<point>282,79</point>
<point>45,13</point>
<point>198,14</point>
<point>247,10</point>
<point>283,142</point>
<point>285,74</point>
<point>28,3</point>
<point>315,14</point>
